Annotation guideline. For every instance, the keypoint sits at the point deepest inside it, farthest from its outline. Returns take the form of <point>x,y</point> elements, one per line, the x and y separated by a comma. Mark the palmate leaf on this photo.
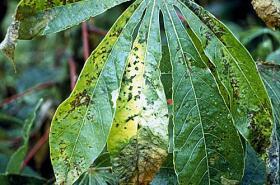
<point>82,123</point>
<point>138,140</point>
<point>34,18</point>
<point>119,100</point>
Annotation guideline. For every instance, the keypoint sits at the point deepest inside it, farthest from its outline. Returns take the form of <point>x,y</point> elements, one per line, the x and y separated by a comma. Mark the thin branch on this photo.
<point>42,141</point>
<point>85,36</point>
<point>73,72</point>
<point>38,87</point>
<point>97,31</point>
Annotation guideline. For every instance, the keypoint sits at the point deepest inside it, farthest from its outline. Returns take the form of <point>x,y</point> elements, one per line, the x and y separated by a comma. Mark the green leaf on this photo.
<point>255,171</point>
<point>207,147</point>
<point>166,175</point>
<point>34,18</point>
<point>166,72</point>
<point>12,179</point>
<point>274,57</point>
<point>235,69</point>
<point>82,123</point>
<point>254,33</point>
<point>138,141</point>
<point>17,158</point>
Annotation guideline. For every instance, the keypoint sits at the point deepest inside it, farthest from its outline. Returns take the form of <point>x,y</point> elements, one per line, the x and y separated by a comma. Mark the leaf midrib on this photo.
<point>178,40</point>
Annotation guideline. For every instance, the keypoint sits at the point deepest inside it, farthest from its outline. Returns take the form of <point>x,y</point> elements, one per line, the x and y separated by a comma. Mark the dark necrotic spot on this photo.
<point>131,118</point>
<point>129,96</point>
<point>136,97</point>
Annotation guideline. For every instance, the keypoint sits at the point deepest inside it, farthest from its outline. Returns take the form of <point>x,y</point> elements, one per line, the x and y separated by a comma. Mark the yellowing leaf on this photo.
<point>82,123</point>
<point>138,140</point>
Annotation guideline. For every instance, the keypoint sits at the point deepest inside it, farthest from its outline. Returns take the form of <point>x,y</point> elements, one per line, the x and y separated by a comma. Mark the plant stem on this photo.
<point>36,148</point>
<point>73,72</point>
<point>85,41</point>
<point>38,87</point>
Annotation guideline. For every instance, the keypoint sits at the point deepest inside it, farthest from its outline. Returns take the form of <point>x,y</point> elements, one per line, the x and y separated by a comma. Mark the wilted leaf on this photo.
<point>34,18</point>
<point>268,11</point>
<point>82,123</point>
<point>17,158</point>
<point>138,140</point>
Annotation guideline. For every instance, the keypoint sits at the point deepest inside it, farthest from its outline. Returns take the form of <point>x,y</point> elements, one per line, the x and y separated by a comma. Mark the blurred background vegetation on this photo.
<point>47,67</point>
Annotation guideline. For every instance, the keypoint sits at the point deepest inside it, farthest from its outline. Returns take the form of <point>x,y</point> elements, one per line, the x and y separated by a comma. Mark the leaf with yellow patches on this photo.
<point>82,123</point>
<point>138,140</point>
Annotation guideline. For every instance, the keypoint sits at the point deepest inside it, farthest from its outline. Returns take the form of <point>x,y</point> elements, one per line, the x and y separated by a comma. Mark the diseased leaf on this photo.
<point>138,141</point>
<point>17,158</point>
<point>34,18</point>
<point>270,72</point>
<point>8,45</point>
<point>207,147</point>
<point>215,88</point>
<point>235,69</point>
<point>82,123</point>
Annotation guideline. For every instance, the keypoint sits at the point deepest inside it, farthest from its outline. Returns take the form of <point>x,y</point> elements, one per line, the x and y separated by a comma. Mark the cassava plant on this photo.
<point>116,127</point>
